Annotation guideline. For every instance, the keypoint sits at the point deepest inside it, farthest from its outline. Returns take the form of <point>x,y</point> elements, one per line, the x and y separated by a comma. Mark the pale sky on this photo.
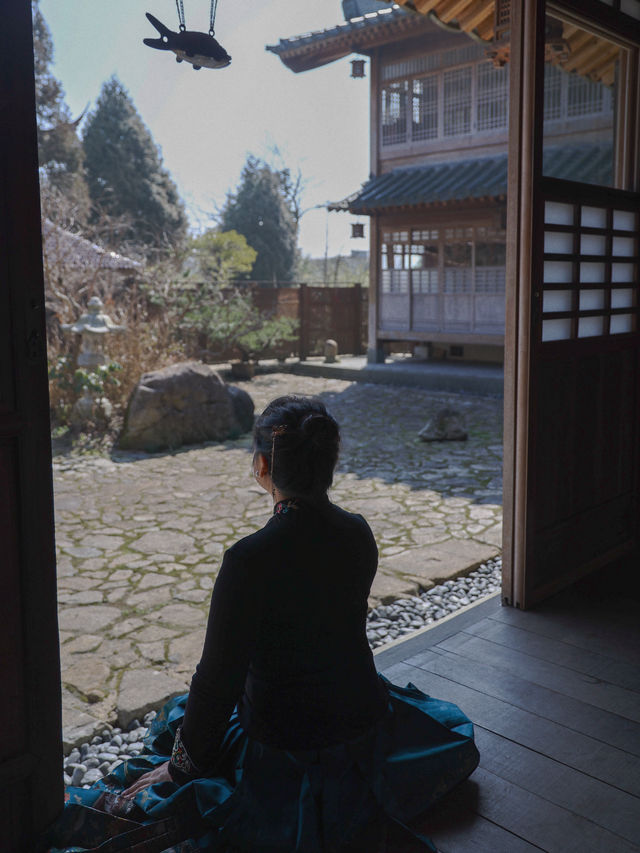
<point>206,122</point>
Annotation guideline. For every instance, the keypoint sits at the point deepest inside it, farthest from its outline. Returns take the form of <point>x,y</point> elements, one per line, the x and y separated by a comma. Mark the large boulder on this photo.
<point>446,425</point>
<point>242,407</point>
<point>186,403</point>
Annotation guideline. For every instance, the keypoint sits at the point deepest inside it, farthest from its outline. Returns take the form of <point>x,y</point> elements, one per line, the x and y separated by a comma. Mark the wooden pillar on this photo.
<point>303,316</point>
<point>31,789</point>
<point>375,353</point>
<point>357,318</point>
<point>526,83</point>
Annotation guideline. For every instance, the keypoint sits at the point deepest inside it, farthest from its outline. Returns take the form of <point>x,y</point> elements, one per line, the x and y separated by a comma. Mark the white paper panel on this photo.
<point>630,7</point>
<point>593,217</point>
<point>556,213</point>
<point>623,247</point>
<point>590,327</point>
<point>620,324</point>
<point>591,272</point>
<point>591,300</point>
<point>558,272</point>
<point>593,244</point>
<point>556,300</point>
<point>621,272</point>
<point>558,242</point>
<point>556,330</point>
<point>624,220</point>
<point>622,298</point>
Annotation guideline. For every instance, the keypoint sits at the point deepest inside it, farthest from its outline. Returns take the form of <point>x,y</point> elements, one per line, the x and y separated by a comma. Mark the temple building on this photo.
<point>436,196</point>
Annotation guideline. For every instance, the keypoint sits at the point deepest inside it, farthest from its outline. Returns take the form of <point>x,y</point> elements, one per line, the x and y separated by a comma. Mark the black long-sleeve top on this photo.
<point>286,637</point>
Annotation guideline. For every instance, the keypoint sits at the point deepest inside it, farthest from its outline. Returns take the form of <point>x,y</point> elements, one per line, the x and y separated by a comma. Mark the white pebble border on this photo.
<point>406,615</point>
<point>92,761</point>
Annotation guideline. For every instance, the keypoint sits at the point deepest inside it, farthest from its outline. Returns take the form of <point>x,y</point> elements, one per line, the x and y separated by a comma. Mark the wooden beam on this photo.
<point>589,51</point>
<point>448,9</point>
<point>601,66</point>
<point>476,15</point>
<point>424,6</point>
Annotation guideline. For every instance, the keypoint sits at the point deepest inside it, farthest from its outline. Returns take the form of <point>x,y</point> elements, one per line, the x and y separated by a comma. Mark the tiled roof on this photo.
<point>314,49</point>
<point>63,249</point>
<point>466,180</point>
<point>371,19</point>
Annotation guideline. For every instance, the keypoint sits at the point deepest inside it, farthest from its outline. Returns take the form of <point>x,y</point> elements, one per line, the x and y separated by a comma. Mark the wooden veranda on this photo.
<point>553,692</point>
<point>554,695</point>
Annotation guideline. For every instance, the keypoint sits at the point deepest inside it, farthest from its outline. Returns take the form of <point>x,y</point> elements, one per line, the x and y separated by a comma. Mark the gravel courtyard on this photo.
<point>140,536</point>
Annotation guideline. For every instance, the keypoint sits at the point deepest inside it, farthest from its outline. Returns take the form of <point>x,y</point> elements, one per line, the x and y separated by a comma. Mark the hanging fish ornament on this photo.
<point>200,49</point>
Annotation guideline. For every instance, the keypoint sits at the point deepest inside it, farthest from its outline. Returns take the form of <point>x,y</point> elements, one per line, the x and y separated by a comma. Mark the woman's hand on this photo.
<point>153,777</point>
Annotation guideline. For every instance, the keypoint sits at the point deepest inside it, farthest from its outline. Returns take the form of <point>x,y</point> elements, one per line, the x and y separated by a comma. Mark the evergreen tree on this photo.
<point>59,148</point>
<point>261,210</point>
<point>125,174</point>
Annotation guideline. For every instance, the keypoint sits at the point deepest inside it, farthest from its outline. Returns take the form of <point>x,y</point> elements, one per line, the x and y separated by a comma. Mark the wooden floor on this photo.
<point>554,694</point>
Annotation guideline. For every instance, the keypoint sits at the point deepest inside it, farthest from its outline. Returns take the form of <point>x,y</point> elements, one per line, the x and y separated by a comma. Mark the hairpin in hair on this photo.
<point>275,431</point>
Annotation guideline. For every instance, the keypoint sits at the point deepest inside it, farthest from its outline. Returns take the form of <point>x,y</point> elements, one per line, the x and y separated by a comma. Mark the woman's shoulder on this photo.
<point>256,543</point>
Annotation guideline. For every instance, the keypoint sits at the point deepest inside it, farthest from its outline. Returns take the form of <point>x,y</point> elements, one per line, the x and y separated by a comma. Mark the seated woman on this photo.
<point>288,741</point>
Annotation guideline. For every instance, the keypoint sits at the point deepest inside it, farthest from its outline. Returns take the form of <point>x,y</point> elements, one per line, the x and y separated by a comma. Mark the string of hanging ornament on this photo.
<point>200,49</point>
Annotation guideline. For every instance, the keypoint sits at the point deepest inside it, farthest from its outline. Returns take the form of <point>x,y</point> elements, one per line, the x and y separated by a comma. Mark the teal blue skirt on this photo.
<point>261,799</point>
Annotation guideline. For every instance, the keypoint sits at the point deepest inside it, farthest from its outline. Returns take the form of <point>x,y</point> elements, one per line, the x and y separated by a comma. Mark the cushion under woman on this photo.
<point>289,741</point>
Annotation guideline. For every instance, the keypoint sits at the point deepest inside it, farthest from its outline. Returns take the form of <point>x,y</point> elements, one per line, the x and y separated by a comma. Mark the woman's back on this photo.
<point>311,679</point>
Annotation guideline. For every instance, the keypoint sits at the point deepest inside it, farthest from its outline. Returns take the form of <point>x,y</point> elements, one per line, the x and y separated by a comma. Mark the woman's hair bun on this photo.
<point>301,441</point>
<point>319,428</point>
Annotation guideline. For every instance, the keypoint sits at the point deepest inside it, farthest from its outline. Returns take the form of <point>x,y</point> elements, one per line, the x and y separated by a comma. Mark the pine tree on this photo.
<point>125,174</point>
<point>221,255</point>
<point>59,148</point>
<point>261,210</point>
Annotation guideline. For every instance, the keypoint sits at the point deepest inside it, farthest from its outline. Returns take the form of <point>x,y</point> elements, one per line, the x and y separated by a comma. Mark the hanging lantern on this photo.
<point>357,230</point>
<point>357,67</point>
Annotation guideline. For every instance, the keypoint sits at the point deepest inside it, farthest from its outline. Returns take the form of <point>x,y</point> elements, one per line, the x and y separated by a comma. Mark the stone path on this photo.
<point>140,537</point>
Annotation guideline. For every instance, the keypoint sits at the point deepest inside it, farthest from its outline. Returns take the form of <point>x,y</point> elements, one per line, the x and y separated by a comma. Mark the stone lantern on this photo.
<point>93,328</point>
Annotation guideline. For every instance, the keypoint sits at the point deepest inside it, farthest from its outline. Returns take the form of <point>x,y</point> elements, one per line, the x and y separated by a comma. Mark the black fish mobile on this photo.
<point>200,49</point>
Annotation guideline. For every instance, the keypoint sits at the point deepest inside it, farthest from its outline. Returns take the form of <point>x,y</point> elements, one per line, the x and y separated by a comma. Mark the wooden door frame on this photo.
<point>524,167</point>
<point>31,766</point>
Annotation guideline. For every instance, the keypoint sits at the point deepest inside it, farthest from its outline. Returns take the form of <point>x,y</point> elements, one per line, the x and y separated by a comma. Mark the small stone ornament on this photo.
<point>331,351</point>
<point>200,49</point>
<point>446,425</point>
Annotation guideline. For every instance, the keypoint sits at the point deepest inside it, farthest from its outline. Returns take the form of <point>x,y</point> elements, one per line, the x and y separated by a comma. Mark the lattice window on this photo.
<point>394,112</point>
<point>490,260</point>
<point>590,274</point>
<point>424,266</point>
<point>552,92</point>
<point>464,254</point>
<point>457,101</point>
<point>395,265</point>
<point>458,266</point>
<point>493,96</point>
<point>584,97</point>
<point>432,61</point>
<point>425,108</point>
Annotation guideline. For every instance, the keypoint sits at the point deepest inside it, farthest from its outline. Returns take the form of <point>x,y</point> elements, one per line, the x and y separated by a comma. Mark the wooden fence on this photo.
<point>323,312</point>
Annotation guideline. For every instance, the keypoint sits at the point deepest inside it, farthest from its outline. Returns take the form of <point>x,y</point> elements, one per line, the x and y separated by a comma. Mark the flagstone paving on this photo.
<point>140,536</point>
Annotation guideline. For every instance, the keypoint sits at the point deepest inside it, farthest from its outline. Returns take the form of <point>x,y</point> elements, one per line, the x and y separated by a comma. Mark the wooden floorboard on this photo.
<point>555,698</point>
<point>613,810</point>
<point>594,664</point>
<point>584,688</point>
<point>552,705</point>
<point>456,827</point>
<point>574,749</point>
<point>579,629</point>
